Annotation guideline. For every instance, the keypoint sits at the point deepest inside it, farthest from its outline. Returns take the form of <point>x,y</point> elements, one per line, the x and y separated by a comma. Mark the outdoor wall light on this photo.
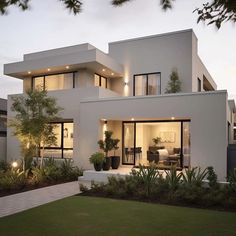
<point>126,83</point>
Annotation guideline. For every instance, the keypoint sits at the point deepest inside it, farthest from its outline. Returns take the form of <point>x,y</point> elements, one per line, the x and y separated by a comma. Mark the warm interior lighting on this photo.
<point>29,72</point>
<point>112,73</point>
<point>103,70</point>
<point>67,67</point>
<point>132,119</point>
<point>49,69</point>
<point>14,164</point>
<point>172,118</point>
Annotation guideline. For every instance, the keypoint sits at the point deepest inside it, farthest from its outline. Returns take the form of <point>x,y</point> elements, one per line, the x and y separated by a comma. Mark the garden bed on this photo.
<point>187,189</point>
<point>15,180</point>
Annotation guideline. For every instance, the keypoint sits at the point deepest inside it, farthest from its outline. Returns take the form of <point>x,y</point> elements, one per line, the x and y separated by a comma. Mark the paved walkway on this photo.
<point>22,201</point>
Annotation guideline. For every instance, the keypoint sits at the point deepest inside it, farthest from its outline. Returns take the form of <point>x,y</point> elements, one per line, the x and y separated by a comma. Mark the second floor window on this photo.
<point>54,82</point>
<point>147,84</point>
<point>100,81</point>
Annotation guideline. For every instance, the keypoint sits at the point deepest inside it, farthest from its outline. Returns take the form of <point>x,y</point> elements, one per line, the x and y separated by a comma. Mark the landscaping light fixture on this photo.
<point>14,164</point>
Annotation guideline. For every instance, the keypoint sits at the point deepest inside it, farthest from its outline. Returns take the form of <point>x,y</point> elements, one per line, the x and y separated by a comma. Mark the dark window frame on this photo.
<point>154,121</point>
<point>33,78</point>
<point>199,85</point>
<point>100,79</point>
<point>146,75</point>
<point>61,148</point>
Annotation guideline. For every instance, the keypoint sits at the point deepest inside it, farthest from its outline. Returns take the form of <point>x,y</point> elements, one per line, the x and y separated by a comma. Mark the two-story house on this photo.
<point>124,91</point>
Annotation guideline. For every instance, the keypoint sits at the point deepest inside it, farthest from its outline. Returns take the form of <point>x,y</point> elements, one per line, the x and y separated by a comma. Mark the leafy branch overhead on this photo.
<point>212,12</point>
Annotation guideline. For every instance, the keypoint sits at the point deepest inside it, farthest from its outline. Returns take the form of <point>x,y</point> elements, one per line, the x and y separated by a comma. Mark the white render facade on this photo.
<point>124,91</point>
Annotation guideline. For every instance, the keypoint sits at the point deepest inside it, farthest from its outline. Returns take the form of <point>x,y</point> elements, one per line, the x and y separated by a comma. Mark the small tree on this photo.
<point>32,123</point>
<point>108,143</point>
<point>174,84</point>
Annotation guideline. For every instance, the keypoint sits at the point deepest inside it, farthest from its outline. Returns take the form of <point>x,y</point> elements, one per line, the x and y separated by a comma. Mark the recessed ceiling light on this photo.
<point>49,69</point>
<point>29,72</point>
<point>103,70</point>
<point>132,119</point>
<point>67,67</point>
<point>172,118</point>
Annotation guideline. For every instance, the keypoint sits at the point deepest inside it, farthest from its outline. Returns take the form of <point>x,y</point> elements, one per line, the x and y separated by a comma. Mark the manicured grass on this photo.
<point>99,216</point>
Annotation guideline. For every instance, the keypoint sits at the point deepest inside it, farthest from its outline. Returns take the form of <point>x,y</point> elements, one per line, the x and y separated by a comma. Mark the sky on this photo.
<point>49,25</point>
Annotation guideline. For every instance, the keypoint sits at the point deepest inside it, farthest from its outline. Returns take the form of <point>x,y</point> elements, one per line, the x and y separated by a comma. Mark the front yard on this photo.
<point>79,215</point>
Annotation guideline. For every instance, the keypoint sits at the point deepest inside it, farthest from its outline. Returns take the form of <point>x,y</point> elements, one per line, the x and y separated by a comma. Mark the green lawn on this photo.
<point>98,216</point>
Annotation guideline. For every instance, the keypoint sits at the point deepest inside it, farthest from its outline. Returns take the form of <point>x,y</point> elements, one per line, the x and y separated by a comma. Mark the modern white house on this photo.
<point>124,91</point>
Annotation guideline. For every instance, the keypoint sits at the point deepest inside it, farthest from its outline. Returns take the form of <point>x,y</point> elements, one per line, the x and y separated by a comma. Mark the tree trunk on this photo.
<point>41,160</point>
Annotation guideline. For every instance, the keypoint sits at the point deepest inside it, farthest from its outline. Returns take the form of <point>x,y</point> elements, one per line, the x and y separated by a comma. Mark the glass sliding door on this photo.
<point>128,143</point>
<point>166,143</point>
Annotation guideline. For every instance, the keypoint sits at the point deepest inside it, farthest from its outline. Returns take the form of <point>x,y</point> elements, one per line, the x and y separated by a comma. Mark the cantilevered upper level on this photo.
<point>139,67</point>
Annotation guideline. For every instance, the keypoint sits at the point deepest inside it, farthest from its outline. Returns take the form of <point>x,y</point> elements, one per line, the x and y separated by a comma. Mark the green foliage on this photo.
<point>73,5</point>
<point>12,180</point>
<point>173,178</point>
<point>32,124</point>
<point>68,171</point>
<point>4,166</point>
<point>97,158</point>
<point>174,84</point>
<point>212,178</point>
<point>108,143</point>
<point>194,177</point>
<point>232,181</point>
<point>216,12</point>
<point>147,176</point>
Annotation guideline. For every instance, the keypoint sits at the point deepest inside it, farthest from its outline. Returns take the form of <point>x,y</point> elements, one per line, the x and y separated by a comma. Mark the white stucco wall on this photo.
<point>208,126</point>
<point>160,53</point>
<point>70,101</point>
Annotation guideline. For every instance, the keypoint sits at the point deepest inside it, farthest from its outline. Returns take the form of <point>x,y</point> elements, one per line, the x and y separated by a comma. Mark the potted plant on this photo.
<point>156,140</point>
<point>106,145</point>
<point>115,160</point>
<point>97,160</point>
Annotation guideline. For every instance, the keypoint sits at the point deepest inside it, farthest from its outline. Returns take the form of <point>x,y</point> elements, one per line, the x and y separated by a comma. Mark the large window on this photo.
<point>165,143</point>
<point>54,82</point>
<point>64,144</point>
<point>100,81</point>
<point>147,84</point>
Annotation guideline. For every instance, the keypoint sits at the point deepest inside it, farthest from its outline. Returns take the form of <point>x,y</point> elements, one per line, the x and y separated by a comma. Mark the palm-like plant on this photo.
<point>147,175</point>
<point>173,179</point>
<point>194,176</point>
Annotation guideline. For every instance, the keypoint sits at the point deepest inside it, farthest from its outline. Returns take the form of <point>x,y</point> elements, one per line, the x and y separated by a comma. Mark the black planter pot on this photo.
<point>107,163</point>
<point>97,166</point>
<point>115,162</point>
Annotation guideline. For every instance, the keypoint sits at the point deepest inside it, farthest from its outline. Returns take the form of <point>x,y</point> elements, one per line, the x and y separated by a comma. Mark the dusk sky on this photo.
<point>48,25</point>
